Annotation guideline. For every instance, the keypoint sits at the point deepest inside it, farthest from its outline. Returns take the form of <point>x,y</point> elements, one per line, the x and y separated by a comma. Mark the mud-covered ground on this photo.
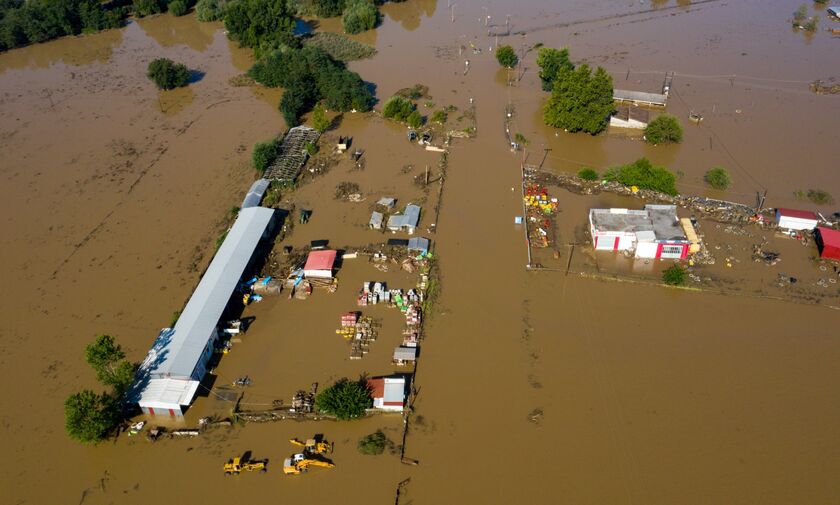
<point>533,386</point>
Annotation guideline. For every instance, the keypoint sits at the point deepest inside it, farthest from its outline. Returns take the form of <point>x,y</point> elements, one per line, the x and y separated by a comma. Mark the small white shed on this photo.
<point>792,219</point>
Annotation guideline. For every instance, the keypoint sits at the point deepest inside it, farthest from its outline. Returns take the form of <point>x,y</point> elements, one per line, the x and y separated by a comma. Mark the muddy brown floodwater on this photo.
<point>534,386</point>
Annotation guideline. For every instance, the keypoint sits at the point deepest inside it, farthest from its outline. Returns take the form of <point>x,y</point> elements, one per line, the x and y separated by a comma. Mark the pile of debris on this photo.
<point>540,209</point>
<point>769,258</point>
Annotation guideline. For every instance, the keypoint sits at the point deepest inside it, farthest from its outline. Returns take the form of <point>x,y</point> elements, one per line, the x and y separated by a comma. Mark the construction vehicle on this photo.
<point>300,463</point>
<point>236,465</point>
<point>316,445</point>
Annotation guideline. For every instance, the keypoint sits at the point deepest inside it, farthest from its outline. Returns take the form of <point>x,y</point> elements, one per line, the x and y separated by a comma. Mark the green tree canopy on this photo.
<point>179,7</point>
<point>360,16</point>
<point>588,174</point>
<point>107,359</point>
<point>89,417</point>
<point>264,154</point>
<point>674,275</point>
<point>345,399</point>
<point>439,116</point>
<point>415,119</point>
<point>210,10</point>
<point>261,24</point>
<point>506,56</point>
<point>319,119</point>
<point>580,100</point>
<point>398,108</point>
<point>373,444</point>
<point>32,21</point>
<point>552,63</point>
<point>167,74</point>
<point>641,173</point>
<point>665,129</point>
<point>148,7</point>
<point>717,178</point>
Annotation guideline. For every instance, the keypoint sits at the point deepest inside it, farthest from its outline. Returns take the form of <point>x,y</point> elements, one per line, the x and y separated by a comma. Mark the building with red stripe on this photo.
<point>654,232</point>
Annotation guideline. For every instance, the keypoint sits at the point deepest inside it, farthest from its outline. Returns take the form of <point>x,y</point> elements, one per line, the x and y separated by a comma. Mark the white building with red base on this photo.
<point>653,232</point>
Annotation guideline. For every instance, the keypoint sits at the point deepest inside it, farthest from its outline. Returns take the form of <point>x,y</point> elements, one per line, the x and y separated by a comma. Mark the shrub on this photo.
<point>520,139</point>
<point>674,275</point>
<point>264,154</point>
<point>345,399</point>
<point>506,56</point>
<point>89,417</point>
<point>643,174</point>
<point>817,196</point>
<point>811,24</point>
<point>580,101</point>
<point>801,13</point>
<point>415,120</point>
<point>588,174</point>
<point>665,129</point>
<point>398,108</point>
<point>717,178</point>
<point>373,444</point>
<point>179,7</point>
<point>439,117</point>
<point>167,74</point>
<point>210,10</point>
<point>148,7</point>
<point>319,119</point>
<point>360,16</point>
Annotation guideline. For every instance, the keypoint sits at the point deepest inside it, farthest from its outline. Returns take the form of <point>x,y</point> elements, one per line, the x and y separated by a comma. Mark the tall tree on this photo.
<point>89,417</point>
<point>580,101</point>
<point>107,359</point>
<point>552,62</point>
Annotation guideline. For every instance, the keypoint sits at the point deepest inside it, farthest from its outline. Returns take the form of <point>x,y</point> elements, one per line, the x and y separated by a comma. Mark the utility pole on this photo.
<point>452,12</point>
<point>507,23</point>
<point>545,155</point>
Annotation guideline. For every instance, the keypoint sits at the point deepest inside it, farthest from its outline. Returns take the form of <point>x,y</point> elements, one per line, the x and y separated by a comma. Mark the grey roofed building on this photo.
<point>659,220</point>
<point>640,97</point>
<point>666,225</point>
<point>255,194</point>
<point>418,244</point>
<point>406,221</point>
<point>387,202</point>
<point>405,353</point>
<point>376,219</point>
<point>182,352</point>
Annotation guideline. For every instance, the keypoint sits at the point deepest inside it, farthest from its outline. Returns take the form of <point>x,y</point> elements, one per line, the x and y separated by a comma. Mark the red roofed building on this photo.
<point>792,219</point>
<point>388,393</point>
<point>828,242</point>
<point>320,264</point>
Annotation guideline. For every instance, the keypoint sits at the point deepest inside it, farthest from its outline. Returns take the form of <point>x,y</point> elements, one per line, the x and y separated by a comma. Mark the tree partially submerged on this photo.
<point>373,444</point>
<point>643,174</point>
<point>665,129</point>
<point>345,399</point>
<point>588,174</point>
<point>167,74</point>
<point>552,62</point>
<point>506,56</point>
<point>674,275</point>
<point>580,100</point>
<point>107,359</point>
<point>360,16</point>
<point>89,417</point>
<point>264,154</point>
<point>398,108</point>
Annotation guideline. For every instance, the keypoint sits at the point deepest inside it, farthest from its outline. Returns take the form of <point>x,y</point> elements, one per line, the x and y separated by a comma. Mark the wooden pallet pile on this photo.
<point>359,331</point>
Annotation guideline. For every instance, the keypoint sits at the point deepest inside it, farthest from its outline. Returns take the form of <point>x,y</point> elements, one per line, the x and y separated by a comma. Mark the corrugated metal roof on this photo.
<point>409,218</point>
<point>178,353</point>
<point>418,244</point>
<point>799,214</point>
<point>255,194</point>
<point>376,219</point>
<point>639,96</point>
<point>168,393</point>
<point>405,353</point>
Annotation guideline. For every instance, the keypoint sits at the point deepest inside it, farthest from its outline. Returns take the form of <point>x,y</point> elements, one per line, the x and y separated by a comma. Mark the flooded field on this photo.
<point>533,386</point>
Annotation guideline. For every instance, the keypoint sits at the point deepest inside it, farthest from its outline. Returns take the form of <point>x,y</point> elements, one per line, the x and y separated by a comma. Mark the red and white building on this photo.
<point>320,264</point>
<point>792,219</point>
<point>828,243</point>
<point>388,393</point>
<point>654,232</point>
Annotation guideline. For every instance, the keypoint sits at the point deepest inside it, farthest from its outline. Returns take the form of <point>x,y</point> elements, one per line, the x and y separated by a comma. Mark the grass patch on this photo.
<point>718,178</point>
<point>588,174</point>
<point>817,196</point>
<point>340,47</point>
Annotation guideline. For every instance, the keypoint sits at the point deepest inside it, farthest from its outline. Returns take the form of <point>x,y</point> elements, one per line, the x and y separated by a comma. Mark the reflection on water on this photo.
<point>174,101</point>
<point>76,51</point>
<point>408,14</point>
<point>168,31</point>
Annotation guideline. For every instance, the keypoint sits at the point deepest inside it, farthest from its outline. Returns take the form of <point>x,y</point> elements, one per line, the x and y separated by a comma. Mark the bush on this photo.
<point>89,417</point>
<point>398,108</point>
<point>588,174</point>
<point>360,16</point>
<point>415,120</point>
<point>179,7</point>
<point>439,117</point>
<point>801,13</point>
<point>665,129</point>
<point>345,399</point>
<point>373,444</point>
<point>817,196</point>
<point>643,174</point>
<point>506,56</point>
<point>717,178</point>
<point>167,74</point>
<point>580,101</point>
<point>210,10</point>
<point>674,275</point>
<point>259,23</point>
<point>319,119</point>
<point>264,154</point>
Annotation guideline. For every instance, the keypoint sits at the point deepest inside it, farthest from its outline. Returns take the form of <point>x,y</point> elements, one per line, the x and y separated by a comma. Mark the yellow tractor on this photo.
<point>300,463</point>
<point>236,465</point>
<point>316,445</point>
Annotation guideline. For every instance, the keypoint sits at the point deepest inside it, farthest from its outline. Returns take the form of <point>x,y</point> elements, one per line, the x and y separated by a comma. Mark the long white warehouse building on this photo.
<point>169,377</point>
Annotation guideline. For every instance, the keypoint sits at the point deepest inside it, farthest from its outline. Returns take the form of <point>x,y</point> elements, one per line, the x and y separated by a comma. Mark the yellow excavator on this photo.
<point>236,465</point>
<point>316,445</point>
<point>300,463</point>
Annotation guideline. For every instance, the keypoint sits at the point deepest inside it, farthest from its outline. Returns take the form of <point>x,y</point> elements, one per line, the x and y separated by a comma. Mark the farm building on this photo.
<point>376,220</point>
<point>169,377</point>
<point>792,219</point>
<point>404,355</point>
<point>387,202</point>
<point>640,98</point>
<point>630,117</point>
<point>407,221</point>
<point>320,264</point>
<point>388,393</point>
<point>654,232</point>
<point>255,194</point>
<point>828,243</point>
